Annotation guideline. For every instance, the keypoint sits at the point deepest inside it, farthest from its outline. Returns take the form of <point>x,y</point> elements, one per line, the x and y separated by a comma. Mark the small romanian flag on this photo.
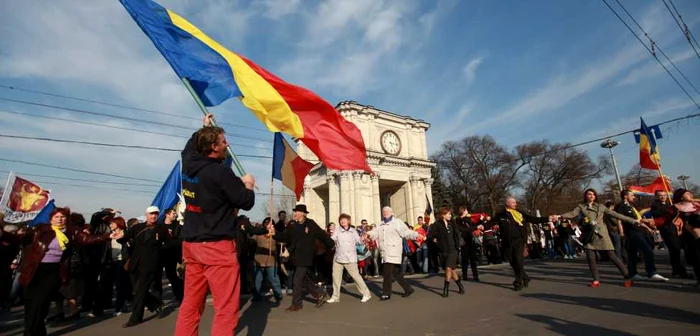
<point>648,152</point>
<point>288,167</point>
<point>217,74</point>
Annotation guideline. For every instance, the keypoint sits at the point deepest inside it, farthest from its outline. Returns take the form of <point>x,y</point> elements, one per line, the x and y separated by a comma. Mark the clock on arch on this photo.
<point>391,143</point>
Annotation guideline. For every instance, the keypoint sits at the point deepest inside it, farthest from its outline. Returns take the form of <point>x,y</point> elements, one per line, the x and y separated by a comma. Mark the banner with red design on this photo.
<point>23,201</point>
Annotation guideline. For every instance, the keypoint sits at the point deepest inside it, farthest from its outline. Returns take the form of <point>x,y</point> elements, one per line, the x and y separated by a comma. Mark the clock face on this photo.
<point>390,143</point>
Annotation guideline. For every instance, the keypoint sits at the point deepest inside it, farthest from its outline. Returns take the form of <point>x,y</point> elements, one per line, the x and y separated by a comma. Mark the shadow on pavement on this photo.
<point>622,306</point>
<point>255,317</point>
<point>565,327</point>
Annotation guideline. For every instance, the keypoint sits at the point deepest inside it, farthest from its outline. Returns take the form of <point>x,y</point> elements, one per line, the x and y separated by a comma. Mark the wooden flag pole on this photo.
<point>236,163</point>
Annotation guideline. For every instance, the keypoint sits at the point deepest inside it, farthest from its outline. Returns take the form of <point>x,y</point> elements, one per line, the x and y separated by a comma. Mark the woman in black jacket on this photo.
<point>445,234</point>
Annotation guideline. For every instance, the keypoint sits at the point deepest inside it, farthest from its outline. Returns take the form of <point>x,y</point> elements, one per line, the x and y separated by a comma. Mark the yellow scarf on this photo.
<point>61,237</point>
<point>636,213</point>
<point>517,216</point>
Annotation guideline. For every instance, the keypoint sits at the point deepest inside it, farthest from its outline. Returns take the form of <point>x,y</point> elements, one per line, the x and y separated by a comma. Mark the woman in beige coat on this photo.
<point>600,241</point>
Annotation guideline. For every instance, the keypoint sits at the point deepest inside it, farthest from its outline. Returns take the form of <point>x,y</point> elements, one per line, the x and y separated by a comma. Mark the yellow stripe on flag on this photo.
<point>258,95</point>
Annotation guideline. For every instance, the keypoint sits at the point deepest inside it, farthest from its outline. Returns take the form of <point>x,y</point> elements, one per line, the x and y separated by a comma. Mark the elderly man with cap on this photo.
<point>146,240</point>
<point>300,236</point>
<point>389,236</point>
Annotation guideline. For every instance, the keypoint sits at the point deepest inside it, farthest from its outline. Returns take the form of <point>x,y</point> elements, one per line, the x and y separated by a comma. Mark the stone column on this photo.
<point>428,187</point>
<point>417,197</point>
<point>410,198</point>
<point>333,196</point>
<point>376,201</point>
<point>359,193</point>
<point>345,192</point>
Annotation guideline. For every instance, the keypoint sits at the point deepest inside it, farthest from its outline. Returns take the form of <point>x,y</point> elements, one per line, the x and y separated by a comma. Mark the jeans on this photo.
<point>272,277</point>
<point>422,257</point>
<point>405,264</point>
<point>637,241</point>
<point>375,260</point>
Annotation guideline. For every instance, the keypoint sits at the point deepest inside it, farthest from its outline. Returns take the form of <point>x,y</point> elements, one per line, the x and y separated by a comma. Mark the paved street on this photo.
<point>558,301</point>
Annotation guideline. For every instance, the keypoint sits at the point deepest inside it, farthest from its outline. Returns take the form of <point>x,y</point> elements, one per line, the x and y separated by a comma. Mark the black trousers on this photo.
<point>468,252</point>
<point>514,253</point>
<point>673,243</point>
<point>143,298</point>
<point>170,265</point>
<point>38,296</point>
<point>491,251</point>
<point>393,272</point>
<point>123,285</point>
<point>302,282</point>
<point>99,281</point>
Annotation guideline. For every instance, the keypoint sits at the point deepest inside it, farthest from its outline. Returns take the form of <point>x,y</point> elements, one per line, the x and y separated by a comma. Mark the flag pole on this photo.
<point>204,110</point>
<point>4,191</point>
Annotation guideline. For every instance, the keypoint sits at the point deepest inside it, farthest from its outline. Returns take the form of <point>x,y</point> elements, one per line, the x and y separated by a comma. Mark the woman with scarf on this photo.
<point>689,213</point>
<point>47,264</point>
<point>447,237</point>
<point>593,213</point>
<point>389,236</point>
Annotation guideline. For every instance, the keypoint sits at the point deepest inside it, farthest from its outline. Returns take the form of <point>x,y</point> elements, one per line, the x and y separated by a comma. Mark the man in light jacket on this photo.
<point>389,236</point>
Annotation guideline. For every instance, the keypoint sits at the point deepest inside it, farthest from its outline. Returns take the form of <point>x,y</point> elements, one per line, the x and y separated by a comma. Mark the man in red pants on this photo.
<point>213,194</point>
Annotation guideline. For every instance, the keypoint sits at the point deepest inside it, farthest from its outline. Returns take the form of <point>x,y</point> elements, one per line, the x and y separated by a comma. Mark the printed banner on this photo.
<point>25,201</point>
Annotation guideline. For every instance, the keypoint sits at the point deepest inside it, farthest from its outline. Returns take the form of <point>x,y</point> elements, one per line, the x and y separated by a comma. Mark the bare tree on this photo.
<point>556,174</point>
<point>479,170</point>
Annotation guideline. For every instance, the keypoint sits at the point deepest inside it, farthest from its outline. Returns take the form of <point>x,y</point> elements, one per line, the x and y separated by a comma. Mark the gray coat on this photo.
<point>595,212</point>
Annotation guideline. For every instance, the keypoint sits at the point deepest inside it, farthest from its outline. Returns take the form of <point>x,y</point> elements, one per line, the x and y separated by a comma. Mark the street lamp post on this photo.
<point>683,179</point>
<point>609,144</point>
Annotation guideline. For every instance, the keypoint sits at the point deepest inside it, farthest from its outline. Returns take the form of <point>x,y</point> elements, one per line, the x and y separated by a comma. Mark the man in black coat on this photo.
<point>172,253</point>
<point>468,251</point>
<point>301,237</point>
<point>99,273</point>
<point>147,241</point>
<point>514,232</point>
<point>663,211</point>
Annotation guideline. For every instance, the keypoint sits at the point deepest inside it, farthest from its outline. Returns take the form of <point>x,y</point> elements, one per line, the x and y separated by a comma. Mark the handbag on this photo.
<point>284,254</point>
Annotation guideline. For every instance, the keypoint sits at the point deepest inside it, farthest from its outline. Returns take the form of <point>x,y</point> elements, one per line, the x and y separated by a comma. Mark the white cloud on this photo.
<point>95,50</point>
<point>276,9</point>
<point>470,69</point>
<point>652,68</point>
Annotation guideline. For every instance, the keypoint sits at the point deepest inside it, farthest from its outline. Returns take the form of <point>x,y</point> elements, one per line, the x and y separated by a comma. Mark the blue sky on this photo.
<point>566,71</point>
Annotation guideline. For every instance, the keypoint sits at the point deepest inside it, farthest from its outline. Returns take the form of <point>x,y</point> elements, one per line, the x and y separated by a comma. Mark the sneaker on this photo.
<point>637,277</point>
<point>333,300</point>
<point>365,299</point>
<point>594,284</point>
<point>627,283</point>
<point>657,277</point>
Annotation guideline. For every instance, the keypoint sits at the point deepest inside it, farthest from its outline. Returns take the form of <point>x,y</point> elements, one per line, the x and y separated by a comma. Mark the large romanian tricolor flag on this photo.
<point>648,152</point>
<point>217,74</point>
<point>288,167</point>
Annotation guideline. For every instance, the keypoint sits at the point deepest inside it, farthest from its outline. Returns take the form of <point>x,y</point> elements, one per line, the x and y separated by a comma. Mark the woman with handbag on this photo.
<point>347,240</point>
<point>689,220</point>
<point>448,239</point>
<point>595,235</point>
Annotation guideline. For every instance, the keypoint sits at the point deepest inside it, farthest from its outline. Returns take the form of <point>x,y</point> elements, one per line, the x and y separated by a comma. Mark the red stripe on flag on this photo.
<point>337,142</point>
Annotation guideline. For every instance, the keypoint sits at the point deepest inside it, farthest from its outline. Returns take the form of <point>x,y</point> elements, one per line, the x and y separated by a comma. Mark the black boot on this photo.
<point>460,286</point>
<point>446,289</point>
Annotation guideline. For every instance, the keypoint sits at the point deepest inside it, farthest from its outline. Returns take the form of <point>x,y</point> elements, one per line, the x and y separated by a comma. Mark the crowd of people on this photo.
<point>86,268</point>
